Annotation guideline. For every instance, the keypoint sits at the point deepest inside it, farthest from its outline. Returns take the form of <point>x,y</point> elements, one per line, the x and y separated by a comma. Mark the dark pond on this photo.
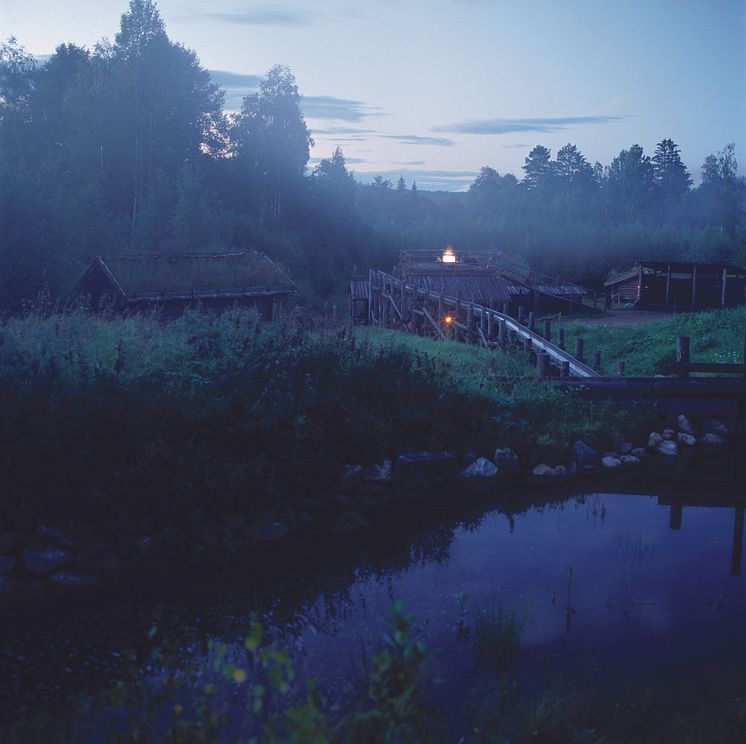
<point>634,608</point>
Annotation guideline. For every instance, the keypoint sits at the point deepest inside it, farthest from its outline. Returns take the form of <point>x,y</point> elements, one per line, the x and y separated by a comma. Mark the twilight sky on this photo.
<point>435,89</point>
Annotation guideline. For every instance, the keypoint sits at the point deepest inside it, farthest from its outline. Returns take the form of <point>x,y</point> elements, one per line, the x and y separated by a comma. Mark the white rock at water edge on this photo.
<point>480,468</point>
<point>654,440</point>
<point>544,471</point>
<point>667,447</point>
<point>685,425</point>
<point>611,463</point>
<point>669,434</point>
<point>687,439</point>
<point>379,473</point>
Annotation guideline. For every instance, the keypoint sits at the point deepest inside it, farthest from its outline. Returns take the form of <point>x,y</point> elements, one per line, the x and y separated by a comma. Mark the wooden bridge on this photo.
<point>397,303</point>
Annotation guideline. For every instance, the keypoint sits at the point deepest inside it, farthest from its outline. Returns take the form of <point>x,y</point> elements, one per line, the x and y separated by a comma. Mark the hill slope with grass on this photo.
<point>715,336</point>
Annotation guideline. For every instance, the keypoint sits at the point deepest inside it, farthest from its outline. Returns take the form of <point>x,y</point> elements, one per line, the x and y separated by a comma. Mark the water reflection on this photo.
<point>615,588</point>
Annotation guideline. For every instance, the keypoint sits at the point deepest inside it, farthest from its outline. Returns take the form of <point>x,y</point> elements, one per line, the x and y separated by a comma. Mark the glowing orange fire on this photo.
<point>448,255</point>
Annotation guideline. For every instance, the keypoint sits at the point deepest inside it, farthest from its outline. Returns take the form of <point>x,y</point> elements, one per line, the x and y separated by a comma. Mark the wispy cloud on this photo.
<point>506,126</point>
<point>517,146</point>
<point>273,15</point>
<point>261,15</point>
<point>339,109</point>
<point>417,139</point>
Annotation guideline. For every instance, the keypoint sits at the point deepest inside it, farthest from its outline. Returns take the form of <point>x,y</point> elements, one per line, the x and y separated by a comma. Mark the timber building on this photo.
<point>662,285</point>
<point>172,283</point>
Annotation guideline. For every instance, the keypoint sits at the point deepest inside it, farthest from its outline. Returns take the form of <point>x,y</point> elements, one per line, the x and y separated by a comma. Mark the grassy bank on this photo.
<point>128,421</point>
<point>715,336</point>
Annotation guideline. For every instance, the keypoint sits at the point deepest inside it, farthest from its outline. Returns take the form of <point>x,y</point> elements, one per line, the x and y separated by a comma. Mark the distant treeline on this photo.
<point>127,148</point>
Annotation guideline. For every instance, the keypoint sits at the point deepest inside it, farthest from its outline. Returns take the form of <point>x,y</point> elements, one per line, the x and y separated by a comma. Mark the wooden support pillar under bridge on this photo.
<point>459,319</point>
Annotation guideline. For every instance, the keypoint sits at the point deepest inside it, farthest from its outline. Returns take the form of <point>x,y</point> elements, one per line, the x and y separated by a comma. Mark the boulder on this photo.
<point>506,459</point>
<point>43,560</point>
<point>73,580</point>
<point>379,473</point>
<point>544,471</point>
<point>9,542</point>
<point>713,440</point>
<point>480,468</point>
<point>712,426</point>
<point>668,434</point>
<point>654,440</point>
<point>685,425</point>
<point>611,463</point>
<point>639,452</point>
<point>667,447</point>
<point>630,460</point>
<point>7,564</point>
<point>625,448</point>
<point>687,439</point>
<point>585,455</point>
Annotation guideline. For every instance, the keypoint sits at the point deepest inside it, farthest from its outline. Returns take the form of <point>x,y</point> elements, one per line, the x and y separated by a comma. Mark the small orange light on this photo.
<point>448,320</point>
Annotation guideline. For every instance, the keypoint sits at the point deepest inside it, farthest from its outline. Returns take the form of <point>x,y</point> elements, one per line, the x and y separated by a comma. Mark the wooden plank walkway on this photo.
<point>398,304</point>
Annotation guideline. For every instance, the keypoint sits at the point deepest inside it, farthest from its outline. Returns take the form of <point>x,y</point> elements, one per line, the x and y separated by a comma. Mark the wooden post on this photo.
<point>502,335</point>
<point>694,287</point>
<point>724,290</point>
<point>561,339</point>
<point>532,321</point>
<point>682,355</point>
<point>506,308</point>
<point>639,285</point>
<point>674,517</point>
<point>439,319</point>
<point>490,326</point>
<point>564,369</point>
<point>370,296</point>
<point>547,329</point>
<point>483,323</point>
<point>668,283</point>
<point>620,368</point>
<point>737,553</point>
<point>597,360</point>
<point>542,365</point>
<point>744,332</point>
<point>527,345</point>
<point>521,313</point>
<point>470,323</point>
<point>579,349</point>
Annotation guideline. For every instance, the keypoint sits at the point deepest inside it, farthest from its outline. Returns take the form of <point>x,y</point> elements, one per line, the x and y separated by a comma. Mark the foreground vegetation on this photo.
<point>715,336</point>
<point>136,424</point>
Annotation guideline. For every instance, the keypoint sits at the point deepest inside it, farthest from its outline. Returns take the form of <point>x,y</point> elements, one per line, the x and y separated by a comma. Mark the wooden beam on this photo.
<point>694,287</point>
<point>437,328</point>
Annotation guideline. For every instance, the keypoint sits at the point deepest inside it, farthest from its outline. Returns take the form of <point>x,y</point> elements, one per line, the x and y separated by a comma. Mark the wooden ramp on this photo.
<point>395,303</point>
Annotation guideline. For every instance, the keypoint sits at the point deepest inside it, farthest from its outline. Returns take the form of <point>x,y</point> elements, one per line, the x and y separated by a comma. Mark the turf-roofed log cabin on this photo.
<point>173,283</point>
<point>663,285</point>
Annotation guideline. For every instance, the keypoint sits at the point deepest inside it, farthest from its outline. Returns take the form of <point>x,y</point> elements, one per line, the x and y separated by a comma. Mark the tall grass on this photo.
<point>715,336</point>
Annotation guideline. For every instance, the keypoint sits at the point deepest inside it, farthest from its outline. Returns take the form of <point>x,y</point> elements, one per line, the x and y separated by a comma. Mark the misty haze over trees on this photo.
<point>128,149</point>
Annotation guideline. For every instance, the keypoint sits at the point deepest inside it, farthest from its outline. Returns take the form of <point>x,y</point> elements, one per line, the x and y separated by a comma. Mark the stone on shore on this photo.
<point>44,560</point>
<point>667,447</point>
<point>610,463</point>
<point>480,468</point>
<point>712,426</point>
<point>685,425</point>
<point>713,440</point>
<point>687,439</point>
<point>544,471</point>
<point>585,455</point>
<point>654,440</point>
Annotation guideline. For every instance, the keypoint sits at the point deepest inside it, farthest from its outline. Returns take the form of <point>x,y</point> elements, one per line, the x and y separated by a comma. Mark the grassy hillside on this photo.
<point>715,336</point>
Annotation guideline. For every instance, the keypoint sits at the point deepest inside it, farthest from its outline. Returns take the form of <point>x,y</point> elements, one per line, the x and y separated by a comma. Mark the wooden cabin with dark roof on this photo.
<point>173,283</point>
<point>677,285</point>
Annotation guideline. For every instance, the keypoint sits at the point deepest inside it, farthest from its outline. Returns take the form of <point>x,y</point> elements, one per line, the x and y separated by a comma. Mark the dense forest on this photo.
<point>128,148</point>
